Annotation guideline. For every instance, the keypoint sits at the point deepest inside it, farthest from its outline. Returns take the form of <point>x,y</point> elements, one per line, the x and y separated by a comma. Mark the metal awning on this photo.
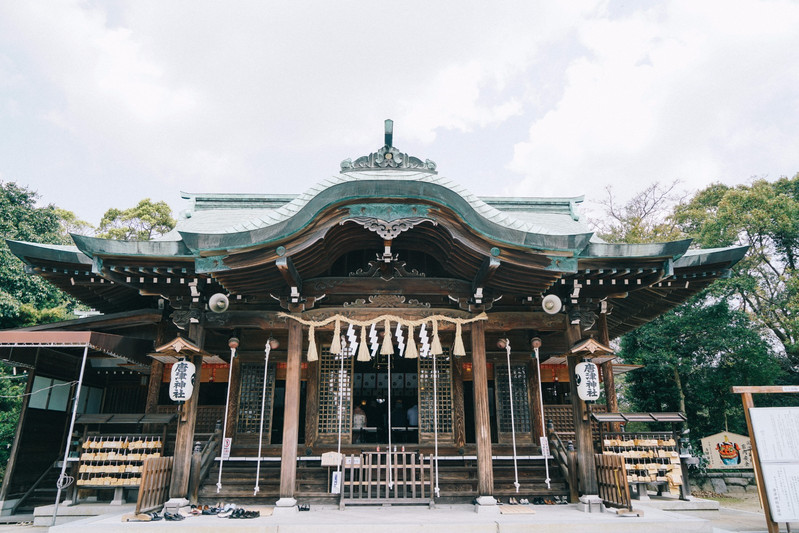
<point>19,345</point>
<point>127,418</point>
<point>639,417</point>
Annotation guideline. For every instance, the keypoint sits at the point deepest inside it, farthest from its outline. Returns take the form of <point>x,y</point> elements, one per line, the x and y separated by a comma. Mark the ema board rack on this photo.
<point>115,461</point>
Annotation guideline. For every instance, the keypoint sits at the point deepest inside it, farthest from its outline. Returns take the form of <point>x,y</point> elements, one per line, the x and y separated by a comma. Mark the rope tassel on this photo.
<point>388,347</point>
<point>335,344</point>
<point>363,351</point>
<point>435,346</point>
<point>312,355</point>
<point>457,349</point>
<point>410,350</point>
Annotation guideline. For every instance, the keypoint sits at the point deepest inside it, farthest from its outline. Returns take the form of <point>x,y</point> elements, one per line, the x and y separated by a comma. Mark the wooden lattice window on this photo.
<point>252,384</point>
<point>335,389</point>
<point>521,402</point>
<point>443,398</point>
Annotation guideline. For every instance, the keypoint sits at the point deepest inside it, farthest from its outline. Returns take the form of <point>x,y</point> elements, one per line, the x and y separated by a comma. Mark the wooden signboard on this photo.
<point>776,431</point>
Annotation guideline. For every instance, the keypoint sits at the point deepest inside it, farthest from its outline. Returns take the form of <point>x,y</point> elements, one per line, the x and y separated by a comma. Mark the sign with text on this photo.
<point>776,430</point>
<point>226,445</point>
<point>727,451</point>
<point>181,385</point>
<point>586,375</point>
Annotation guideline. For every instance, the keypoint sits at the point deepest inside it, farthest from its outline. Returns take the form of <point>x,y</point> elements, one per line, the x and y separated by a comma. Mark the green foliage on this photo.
<point>11,389</point>
<point>70,223</point>
<point>23,297</point>
<point>691,357</point>
<point>764,216</point>
<point>141,223</point>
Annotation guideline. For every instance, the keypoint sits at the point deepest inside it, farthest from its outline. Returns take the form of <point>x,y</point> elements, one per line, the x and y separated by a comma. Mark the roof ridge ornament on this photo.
<point>388,158</point>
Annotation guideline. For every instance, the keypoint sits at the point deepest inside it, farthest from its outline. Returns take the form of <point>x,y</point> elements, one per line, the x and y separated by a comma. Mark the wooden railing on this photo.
<point>566,458</point>
<point>202,459</point>
<point>365,479</point>
<point>612,478</point>
<point>156,474</point>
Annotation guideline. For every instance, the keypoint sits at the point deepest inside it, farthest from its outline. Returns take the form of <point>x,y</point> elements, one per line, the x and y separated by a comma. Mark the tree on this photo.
<point>24,298</point>
<point>695,352</point>
<point>70,223</point>
<point>141,223</point>
<point>764,216</point>
<point>646,217</point>
<point>692,356</point>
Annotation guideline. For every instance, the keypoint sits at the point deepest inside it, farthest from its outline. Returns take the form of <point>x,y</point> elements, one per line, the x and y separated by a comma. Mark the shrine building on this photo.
<point>385,312</point>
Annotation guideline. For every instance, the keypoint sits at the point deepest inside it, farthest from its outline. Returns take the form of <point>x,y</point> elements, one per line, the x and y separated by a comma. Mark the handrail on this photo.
<point>566,458</point>
<point>35,485</point>
<point>201,461</point>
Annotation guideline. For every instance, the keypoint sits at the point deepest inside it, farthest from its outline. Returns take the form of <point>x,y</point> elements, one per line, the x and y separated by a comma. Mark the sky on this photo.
<point>103,103</point>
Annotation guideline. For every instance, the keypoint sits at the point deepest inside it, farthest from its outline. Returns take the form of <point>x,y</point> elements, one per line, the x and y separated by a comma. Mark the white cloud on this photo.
<point>150,97</point>
<point>691,91</point>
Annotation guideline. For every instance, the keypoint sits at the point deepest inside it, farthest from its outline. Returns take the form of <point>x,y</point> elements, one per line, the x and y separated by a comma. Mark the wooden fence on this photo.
<point>612,478</point>
<point>156,474</point>
<point>365,479</point>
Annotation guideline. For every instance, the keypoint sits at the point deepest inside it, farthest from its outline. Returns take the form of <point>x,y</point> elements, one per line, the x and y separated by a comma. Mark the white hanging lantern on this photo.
<point>586,375</point>
<point>181,386</point>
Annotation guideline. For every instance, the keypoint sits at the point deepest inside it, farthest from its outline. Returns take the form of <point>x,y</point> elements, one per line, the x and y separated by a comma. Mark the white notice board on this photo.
<point>776,432</point>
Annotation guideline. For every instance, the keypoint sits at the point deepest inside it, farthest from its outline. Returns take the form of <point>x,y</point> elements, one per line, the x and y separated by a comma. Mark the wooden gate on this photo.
<point>365,479</point>
<point>156,474</point>
<point>612,478</point>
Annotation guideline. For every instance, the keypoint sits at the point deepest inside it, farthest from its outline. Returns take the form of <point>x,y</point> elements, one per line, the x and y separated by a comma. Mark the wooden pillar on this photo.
<point>482,422</point>
<point>533,386</point>
<point>234,382</point>
<point>312,404</point>
<point>611,400</point>
<point>584,444</point>
<point>154,386</point>
<point>184,437</point>
<point>458,411</point>
<point>291,417</point>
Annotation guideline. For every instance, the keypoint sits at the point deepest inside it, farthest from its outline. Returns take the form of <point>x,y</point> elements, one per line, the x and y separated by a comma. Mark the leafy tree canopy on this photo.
<point>691,357</point>
<point>141,223</point>
<point>25,299</point>
<point>764,216</point>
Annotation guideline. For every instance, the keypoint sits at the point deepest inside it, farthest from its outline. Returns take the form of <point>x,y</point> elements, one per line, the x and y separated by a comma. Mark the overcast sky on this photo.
<point>105,103</point>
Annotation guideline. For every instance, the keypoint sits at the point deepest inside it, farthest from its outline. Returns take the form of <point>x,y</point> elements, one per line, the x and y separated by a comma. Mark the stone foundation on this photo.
<point>723,482</point>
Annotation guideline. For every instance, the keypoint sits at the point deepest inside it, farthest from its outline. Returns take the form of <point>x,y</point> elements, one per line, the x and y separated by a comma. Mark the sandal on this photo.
<point>304,507</point>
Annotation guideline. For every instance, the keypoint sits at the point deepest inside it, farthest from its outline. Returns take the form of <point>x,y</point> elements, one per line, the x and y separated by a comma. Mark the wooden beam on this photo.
<point>312,403</point>
<point>482,422</point>
<point>584,443</point>
<point>184,437</point>
<point>533,385</point>
<point>748,403</point>
<point>286,267</point>
<point>233,407</point>
<point>611,400</point>
<point>154,386</point>
<point>291,416</point>
<point>486,272</point>
<point>458,410</point>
